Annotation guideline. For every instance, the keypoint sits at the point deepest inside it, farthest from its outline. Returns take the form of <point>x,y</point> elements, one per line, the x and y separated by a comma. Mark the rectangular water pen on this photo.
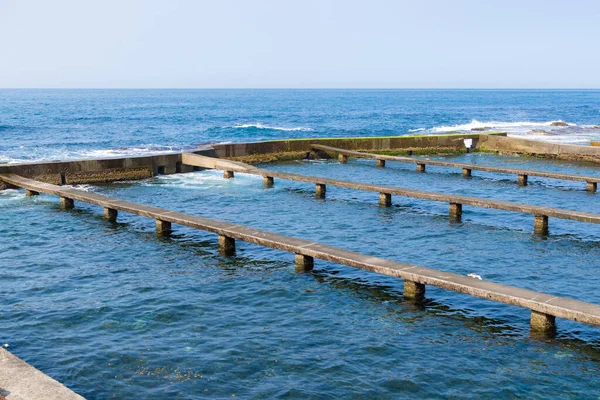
<point>544,307</point>
<point>321,184</point>
<point>522,174</point>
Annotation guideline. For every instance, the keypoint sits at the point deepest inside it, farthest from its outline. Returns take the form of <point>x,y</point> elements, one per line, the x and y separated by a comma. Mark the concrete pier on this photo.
<point>522,180</point>
<point>542,323</point>
<point>419,194</point>
<point>385,199</point>
<point>268,181</point>
<point>226,245</point>
<point>30,193</point>
<point>415,277</point>
<point>227,174</point>
<point>540,224</point>
<point>381,163</point>
<point>591,187</point>
<point>320,191</point>
<point>163,227</point>
<point>66,203</point>
<point>110,214</point>
<point>455,212</point>
<point>414,291</point>
<point>466,168</point>
<point>420,167</point>
<point>342,159</point>
<point>304,263</point>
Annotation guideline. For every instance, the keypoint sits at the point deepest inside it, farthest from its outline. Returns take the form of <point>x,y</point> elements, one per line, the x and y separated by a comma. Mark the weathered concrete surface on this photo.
<point>101,170</point>
<point>303,146</point>
<point>542,303</point>
<point>226,245</point>
<point>446,198</point>
<point>21,381</point>
<point>535,147</point>
<point>466,168</point>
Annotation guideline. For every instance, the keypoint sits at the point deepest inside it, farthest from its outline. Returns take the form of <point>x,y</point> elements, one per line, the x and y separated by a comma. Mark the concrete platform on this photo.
<point>21,381</point>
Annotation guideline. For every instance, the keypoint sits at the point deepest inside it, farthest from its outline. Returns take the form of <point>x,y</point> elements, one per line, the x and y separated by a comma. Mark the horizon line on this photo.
<point>298,88</point>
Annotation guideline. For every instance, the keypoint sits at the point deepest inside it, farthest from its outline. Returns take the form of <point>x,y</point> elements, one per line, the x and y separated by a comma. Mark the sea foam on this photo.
<point>275,128</point>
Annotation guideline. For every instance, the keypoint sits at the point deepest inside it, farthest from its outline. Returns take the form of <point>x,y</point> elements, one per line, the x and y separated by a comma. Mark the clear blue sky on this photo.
<point>300,43</point>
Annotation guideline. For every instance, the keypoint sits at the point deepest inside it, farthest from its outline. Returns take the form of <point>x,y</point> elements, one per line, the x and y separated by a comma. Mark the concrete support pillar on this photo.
<point>414,290</point>
<point>226,245</point>
<point>30,193</point>
<point>304,263</point>
<point>522,180</point>
<point>455,211</point>
<point>592,187</point>
<point>110,214</point>
<point>540,224</point>
<point>420,167</point>
<point>66,203</point>
<point>541,323</point>
<point>385,199</point>
<point>320,191</point>
<point>227,174</point>
<point>381,163</point>
<point>342,158</point>
<point>466,172</point>
<point>163,227</point>
<point>268,181</point>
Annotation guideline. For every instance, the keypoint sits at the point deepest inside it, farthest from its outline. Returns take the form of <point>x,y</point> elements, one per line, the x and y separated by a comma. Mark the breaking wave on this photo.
<point>275,128</point>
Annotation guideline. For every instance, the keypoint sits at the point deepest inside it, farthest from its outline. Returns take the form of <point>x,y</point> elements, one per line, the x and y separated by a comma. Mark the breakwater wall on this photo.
<point>134,168</point>
<point>538,148</point>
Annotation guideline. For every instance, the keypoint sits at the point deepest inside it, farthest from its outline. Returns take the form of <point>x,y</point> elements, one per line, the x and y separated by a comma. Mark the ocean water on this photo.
<point>113,311</point>
<point>70,124</point>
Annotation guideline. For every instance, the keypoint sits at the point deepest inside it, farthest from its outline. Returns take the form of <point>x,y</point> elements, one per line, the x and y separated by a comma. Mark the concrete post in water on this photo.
<point>304,263</point>
<point>163,227</point>
<point>66,203</point>
<point>592,187</point>
<point>385,199</point>
<point>455,211</point>
<point>342,158</point>
<point>420,167</point>
<point>268,181</point>
<point>110,214</point>
<point>381,163</point>
<point>414,291</point>
<point>30,193</point>
<point>226,245</point>
<point>540,224</point>
<point>320,191</point>
<point>542,323</point>
<point>227,174</point>
<point>522,180</point>
<point>466,172</point>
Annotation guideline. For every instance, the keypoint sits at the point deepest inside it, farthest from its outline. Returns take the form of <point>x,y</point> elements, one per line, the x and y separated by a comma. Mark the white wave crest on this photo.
<point>275,128</point>
<point>495,125</point>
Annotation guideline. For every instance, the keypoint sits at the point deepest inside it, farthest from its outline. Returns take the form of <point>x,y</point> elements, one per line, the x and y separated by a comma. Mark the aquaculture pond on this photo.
<point>113,311</point>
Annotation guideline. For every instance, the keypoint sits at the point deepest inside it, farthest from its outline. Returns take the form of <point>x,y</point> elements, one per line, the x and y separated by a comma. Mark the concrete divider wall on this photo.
<point>535,147</point>
<point>100,170</point>
<point>376,143</point>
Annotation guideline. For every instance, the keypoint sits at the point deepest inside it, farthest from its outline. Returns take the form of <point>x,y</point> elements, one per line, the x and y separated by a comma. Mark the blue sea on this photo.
<point>37,125</point>
<point>113,311</point>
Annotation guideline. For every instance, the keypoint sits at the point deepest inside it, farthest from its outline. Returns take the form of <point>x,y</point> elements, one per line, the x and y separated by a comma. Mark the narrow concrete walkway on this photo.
<point>544,307</point>
<point>456,202</point>
<point>522,174</point>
